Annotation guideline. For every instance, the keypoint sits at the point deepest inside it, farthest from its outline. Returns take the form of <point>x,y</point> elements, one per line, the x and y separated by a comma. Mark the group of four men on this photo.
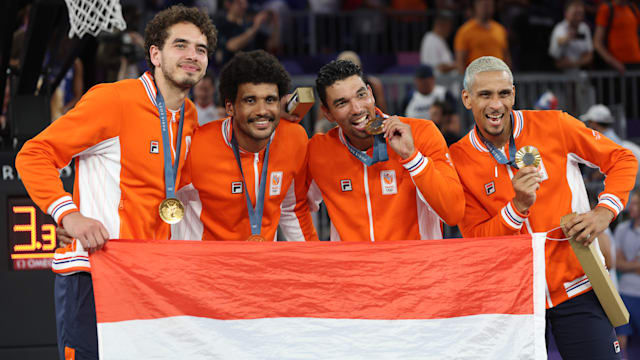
<point>241,177</point>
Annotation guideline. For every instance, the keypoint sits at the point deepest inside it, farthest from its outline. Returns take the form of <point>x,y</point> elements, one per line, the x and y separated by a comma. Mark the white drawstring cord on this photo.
<point>555,239</point>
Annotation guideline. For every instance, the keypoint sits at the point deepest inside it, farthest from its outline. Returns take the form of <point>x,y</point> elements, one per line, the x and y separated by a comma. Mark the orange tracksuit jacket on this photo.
<point>390,200</point>
<point>214,196</point>
<point>563,142</point>
<point>114,134</point>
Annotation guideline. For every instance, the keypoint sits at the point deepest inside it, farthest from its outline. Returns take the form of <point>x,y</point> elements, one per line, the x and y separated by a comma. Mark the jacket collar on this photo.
<point>518,124</point>
<point>149,87</point>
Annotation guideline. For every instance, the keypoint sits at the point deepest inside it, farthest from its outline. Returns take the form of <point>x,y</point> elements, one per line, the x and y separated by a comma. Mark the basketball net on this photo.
<point>94,16</point>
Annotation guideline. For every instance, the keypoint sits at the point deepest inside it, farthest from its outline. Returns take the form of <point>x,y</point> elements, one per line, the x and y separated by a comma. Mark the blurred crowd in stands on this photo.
<point>429,41</point>
<point>390,36</point>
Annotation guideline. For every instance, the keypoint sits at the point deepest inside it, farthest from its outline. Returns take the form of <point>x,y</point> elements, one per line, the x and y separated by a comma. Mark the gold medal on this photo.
<point>527,156</point>
<point>171,210</point>
<point>374,126</point>
<point>257,238</point>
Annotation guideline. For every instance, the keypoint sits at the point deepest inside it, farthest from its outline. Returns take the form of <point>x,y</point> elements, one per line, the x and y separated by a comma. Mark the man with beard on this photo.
<point>395,185</point>
<point>129,140</point>
<point>507,197</point>
<point>258,177</point>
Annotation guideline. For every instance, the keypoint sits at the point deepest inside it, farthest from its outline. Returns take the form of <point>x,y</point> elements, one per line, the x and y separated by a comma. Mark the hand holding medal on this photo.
<point>375,127</point>
<point>526,181</point>
<point>527,156</point>
<point>399,136</point>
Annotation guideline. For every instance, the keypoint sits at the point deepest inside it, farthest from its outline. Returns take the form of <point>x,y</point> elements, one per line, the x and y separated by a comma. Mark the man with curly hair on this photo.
<point>129,140</point>
<point>390,177</point>
<point>259,174</point>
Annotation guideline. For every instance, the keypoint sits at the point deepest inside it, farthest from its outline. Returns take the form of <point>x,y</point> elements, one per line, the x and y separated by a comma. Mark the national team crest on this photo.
<point>154,147</point>
<point>275,183</point>
<point>490,188</point>
<point>345,185</point>
<point>388,181</point>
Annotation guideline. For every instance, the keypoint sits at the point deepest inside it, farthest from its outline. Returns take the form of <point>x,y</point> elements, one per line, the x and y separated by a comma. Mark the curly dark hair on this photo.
<point>254,67</point>
<point>332,72</point>
<point>156,32</point>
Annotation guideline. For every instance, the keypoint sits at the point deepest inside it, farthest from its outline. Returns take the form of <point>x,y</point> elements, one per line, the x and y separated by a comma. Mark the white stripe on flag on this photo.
<point>494,337</point>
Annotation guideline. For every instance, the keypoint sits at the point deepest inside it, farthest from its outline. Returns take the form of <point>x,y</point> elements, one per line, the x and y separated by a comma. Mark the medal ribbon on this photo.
<point>379,147</point>
<point>255,214</point>
<point>379,151</point>
<point>497,154</point>
<point>170,172</point>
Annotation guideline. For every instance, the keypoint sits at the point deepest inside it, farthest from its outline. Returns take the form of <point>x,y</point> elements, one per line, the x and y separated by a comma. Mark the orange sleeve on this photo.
<point>94,119</point>
<point>477,220</point>
<point>433,173</point>
<point>616,162</point>
<point>602,16</point>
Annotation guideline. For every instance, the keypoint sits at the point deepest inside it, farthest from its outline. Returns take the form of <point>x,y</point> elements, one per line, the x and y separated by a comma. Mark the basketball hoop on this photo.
<point>94,16</point>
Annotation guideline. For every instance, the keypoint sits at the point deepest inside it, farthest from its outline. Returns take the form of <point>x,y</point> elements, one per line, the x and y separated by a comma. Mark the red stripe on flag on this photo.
<point>383,280</point>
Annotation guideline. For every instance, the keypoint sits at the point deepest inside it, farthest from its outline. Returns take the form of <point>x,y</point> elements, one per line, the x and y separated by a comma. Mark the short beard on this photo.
<point>186,84</point>
<point>498,134</point>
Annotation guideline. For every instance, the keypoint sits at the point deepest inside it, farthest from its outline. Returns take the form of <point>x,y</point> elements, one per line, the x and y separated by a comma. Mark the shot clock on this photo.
<point>32,235</point>
<point>27,235</point>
